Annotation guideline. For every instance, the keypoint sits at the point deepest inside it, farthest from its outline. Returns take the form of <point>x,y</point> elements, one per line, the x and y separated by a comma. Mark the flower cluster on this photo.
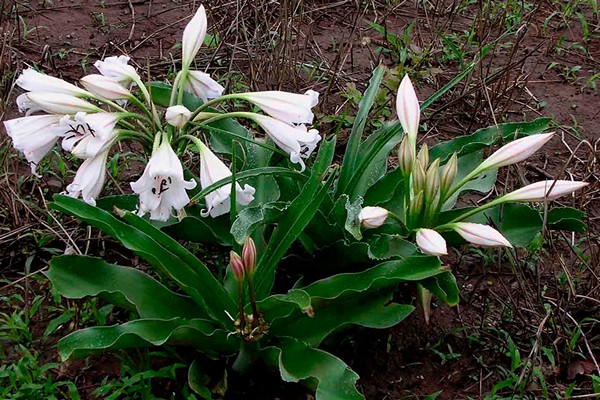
<point>116,104</point>
<point>428,186</point>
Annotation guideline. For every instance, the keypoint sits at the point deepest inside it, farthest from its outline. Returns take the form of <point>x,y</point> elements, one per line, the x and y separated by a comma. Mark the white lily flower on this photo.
<point>193,37</point>
<point>479,234</point>
<point>407,107</point>
<point>431,242</point>
<point>372,217</point>
<point>162,187</point>
<point>34,81</point>
<point>291,108</point>
<point>212,169</point>
<point>88,134</point>
<point>34,136</point>
<point>25,105</point>
<point>89,178</point>
<point>58,103</point>
<point>297,141</point>
<point>177,115</point>
<point>515,151</point>
<point>104,87</point>
<point>544,190</point>
<point>116,68</point>
<point>202,86</point>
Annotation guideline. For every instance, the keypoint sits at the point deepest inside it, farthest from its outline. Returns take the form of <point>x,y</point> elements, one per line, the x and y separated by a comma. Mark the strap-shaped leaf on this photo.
<point>283,305</point>
<point>295,219</point>
<point>297,361</point>
<point>199,333</point>
<point>444,287</point>
<point>388,273</point>
<point>351,156</point>
<point>370,309</point>
<point>486,137</point>
<point>566,218</point>
<point>76,277</point>
<point>186,270</point>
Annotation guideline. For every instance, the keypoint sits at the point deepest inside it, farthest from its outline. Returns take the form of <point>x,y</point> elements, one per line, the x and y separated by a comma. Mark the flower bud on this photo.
<point>482,235</point>
<point>372,217</point>
<point>405,158</point>
<point>237,266</point>
<point>193,37</point>
<point>407,107</point>
<point>417,203</point>
<point>432,180</point>
<point>177,115</point>
<point>58,103</point>
<point>431,242</point>
<point>515,151</point>
<point>544,190</point>
<point>104,87</point>
<point>449,173</point>
<point>419,178</point>
<point>423,156</point>
<point>249,256</point>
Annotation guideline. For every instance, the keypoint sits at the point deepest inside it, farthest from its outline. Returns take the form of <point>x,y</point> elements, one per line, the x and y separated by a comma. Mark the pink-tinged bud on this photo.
<point>449,173</point>
<point>515,151</point>
<point>431,242</point>
<point>405,157</point>
<point>407,107</point>
<point>423,156</point>
<point>237,266</point>
<point>104,87</point>
<point>372,217</point>
<point>249,256</point>
<point>544,190</point>
<point>432,179</point>
<point>419,178</point>
<point>482,235</point>
<point>193,37</point>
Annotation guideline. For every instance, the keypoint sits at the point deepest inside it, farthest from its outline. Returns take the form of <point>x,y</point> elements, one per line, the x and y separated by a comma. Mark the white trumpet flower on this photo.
<point>544,190</point>
<point>372,217</point>
<point>116,68</point>
<point>431,242</point>
<point>407,107</point>
<point>291,108</point>
<point>88,134</point>
<point>193,37</point>
<point>162,187</point>
<point>58,103</point>
<point>177,115</point>
<point>202,85</point>
<point>515,151</point>
<point>297,141</point>
<point>89,178</point>
<point>482,235</point>
<point>34,81</point>
<point>34,136</point>
<point>212,169</point>
<point>104,87</point>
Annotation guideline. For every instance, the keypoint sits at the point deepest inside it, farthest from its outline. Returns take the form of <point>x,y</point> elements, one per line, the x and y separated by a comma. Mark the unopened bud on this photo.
<point>405,157</point>
<point>418,176</point>
<point>249,256</point>
<point>177,115</point>
<point>417,203</point>
<point>237,266</point>
<point>372,217</point>
<point>448,173</point>
<point>423,156</point>
<point>432,180</point>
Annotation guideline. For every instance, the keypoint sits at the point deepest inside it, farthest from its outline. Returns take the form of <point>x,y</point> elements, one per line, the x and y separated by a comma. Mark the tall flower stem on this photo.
<point>255,312</point>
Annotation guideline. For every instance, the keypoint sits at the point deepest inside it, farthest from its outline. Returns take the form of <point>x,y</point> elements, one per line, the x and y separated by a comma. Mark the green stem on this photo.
<point>461,183</point>
<point>174,89</point>
<point>247,357</point>
<point>470,213</point>
<point>211,102</point>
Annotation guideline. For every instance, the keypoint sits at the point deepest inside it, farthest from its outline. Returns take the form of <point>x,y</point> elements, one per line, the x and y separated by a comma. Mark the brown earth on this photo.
<point>329,46</point>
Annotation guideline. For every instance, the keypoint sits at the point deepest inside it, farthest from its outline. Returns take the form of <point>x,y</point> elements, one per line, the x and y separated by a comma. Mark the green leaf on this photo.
<point>198,229</point>
<point>252,217</point>
<point>485,137</point>
<point>437,95</point>
<point>76,277</point>
<point>283,305</point>
<point>295,219</point>
<point>159,250</point>
<point>198,380</point>
<point>566,219</point>
<point>351,155</point>
<point>161,96</point>
<point>385,188</point>
<point>352,224</point>
<point>124,202</point>
<point>371,309</point>
<point>444,287</point>
<point>385,246</point>
<point>297,361</point>
<point>199,333</point>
